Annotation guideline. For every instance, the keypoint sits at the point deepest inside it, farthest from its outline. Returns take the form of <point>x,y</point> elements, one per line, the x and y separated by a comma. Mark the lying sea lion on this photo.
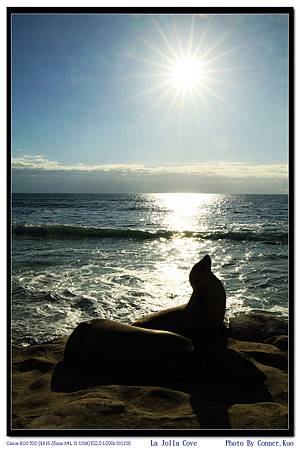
<point>110,345</point>
<point>109,348</point>
<point>202,318</point>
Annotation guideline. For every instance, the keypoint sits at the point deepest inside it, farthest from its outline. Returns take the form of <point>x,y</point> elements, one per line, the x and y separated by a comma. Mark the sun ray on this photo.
<point>200,42</point>
<point>215,44</point>
<point>182,105</point>
<point>145,75</point>
<point>165,39</point>
<point>169,110</point>
<point>205,116</point>
<point>211,79</point>
<point>180,118</point>
<point>155,103</point>
<point>206,104</point>
<point>147,91</point>
<point>191,37</point>
<point>219,97</point>
<point>227,69</point>
<point>195,107</point>
<point>180,52</point>
<point>214,80</point>
<point>227,52</point>
<point>156,49</point>
<point>152,63</point>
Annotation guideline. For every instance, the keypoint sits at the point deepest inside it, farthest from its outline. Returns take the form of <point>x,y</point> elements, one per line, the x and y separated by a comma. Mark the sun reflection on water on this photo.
<point>185,209</point>
<point>181,214</point>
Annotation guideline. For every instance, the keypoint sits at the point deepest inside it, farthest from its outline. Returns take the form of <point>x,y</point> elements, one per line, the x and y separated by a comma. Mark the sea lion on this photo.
<point>112,346</point>
<point>109,348</point>
<point>201,319</point>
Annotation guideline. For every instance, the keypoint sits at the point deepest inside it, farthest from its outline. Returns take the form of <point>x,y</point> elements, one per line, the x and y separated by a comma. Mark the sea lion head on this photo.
<point>200,272</point>
<point>204,282</point>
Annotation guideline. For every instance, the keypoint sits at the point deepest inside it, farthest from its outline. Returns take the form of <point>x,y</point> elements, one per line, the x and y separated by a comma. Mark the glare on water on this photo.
<point>60,282</point>
<point>184,210</point>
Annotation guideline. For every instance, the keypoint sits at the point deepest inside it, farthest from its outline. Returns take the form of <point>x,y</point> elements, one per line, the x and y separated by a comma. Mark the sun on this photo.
<point>186,73</point>
<point>187,69</point>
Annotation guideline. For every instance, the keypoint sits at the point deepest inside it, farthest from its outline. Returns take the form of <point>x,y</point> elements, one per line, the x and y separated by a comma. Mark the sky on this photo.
<point>150,103</point>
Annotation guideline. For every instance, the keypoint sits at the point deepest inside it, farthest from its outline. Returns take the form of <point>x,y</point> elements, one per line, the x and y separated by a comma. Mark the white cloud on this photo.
<point>233,170</point>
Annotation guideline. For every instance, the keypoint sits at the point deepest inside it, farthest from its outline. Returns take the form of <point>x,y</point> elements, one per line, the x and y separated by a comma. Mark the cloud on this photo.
<point>36,173</point>
<point>237,170</point>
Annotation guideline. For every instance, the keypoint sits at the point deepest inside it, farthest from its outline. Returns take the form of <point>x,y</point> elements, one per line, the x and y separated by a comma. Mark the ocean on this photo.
<point>120,256</point>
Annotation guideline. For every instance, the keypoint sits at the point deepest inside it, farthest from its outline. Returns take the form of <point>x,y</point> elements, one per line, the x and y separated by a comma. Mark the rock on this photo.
<point>135,407</point>
<point>276,383</point>
<point>281,342</point>
<point>272,415</point>
<point>264,353</point>
<point>230,365</point>
<point>257,327</point>
<point>47,395</point>
<point>239,416</point>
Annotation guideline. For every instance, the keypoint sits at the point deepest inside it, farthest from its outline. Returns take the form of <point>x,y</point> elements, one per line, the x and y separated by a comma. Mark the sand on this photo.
<point>47,396</point>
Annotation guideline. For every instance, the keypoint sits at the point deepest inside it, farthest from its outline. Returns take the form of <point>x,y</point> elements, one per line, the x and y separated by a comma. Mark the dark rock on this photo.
<point>39,364</point>
<point>48,395</point>
<point>231,366</point>
<point>265,353</point>
<point>282,342</point>
<point>257,327</point>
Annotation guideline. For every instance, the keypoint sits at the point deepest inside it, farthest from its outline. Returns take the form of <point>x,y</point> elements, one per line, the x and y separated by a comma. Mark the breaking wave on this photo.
<point>55,231</point>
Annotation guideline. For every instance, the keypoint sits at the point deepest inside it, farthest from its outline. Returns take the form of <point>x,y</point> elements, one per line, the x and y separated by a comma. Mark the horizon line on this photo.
<point>146,193</point>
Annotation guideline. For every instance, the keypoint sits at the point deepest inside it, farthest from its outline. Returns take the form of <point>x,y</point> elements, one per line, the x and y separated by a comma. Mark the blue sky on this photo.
<point>97,107</point>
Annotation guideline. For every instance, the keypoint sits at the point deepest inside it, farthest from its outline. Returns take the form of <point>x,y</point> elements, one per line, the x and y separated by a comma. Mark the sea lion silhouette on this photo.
<point>202,318</point>
<point>108,348</point>
<point>109,345</point>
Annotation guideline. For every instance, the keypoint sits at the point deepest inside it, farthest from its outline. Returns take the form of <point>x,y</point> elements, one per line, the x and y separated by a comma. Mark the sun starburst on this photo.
<point>185,68</point>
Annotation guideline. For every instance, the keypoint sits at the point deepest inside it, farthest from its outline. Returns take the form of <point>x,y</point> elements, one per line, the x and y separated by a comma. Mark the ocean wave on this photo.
<point>56,231</point>
<point>78,232</point>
